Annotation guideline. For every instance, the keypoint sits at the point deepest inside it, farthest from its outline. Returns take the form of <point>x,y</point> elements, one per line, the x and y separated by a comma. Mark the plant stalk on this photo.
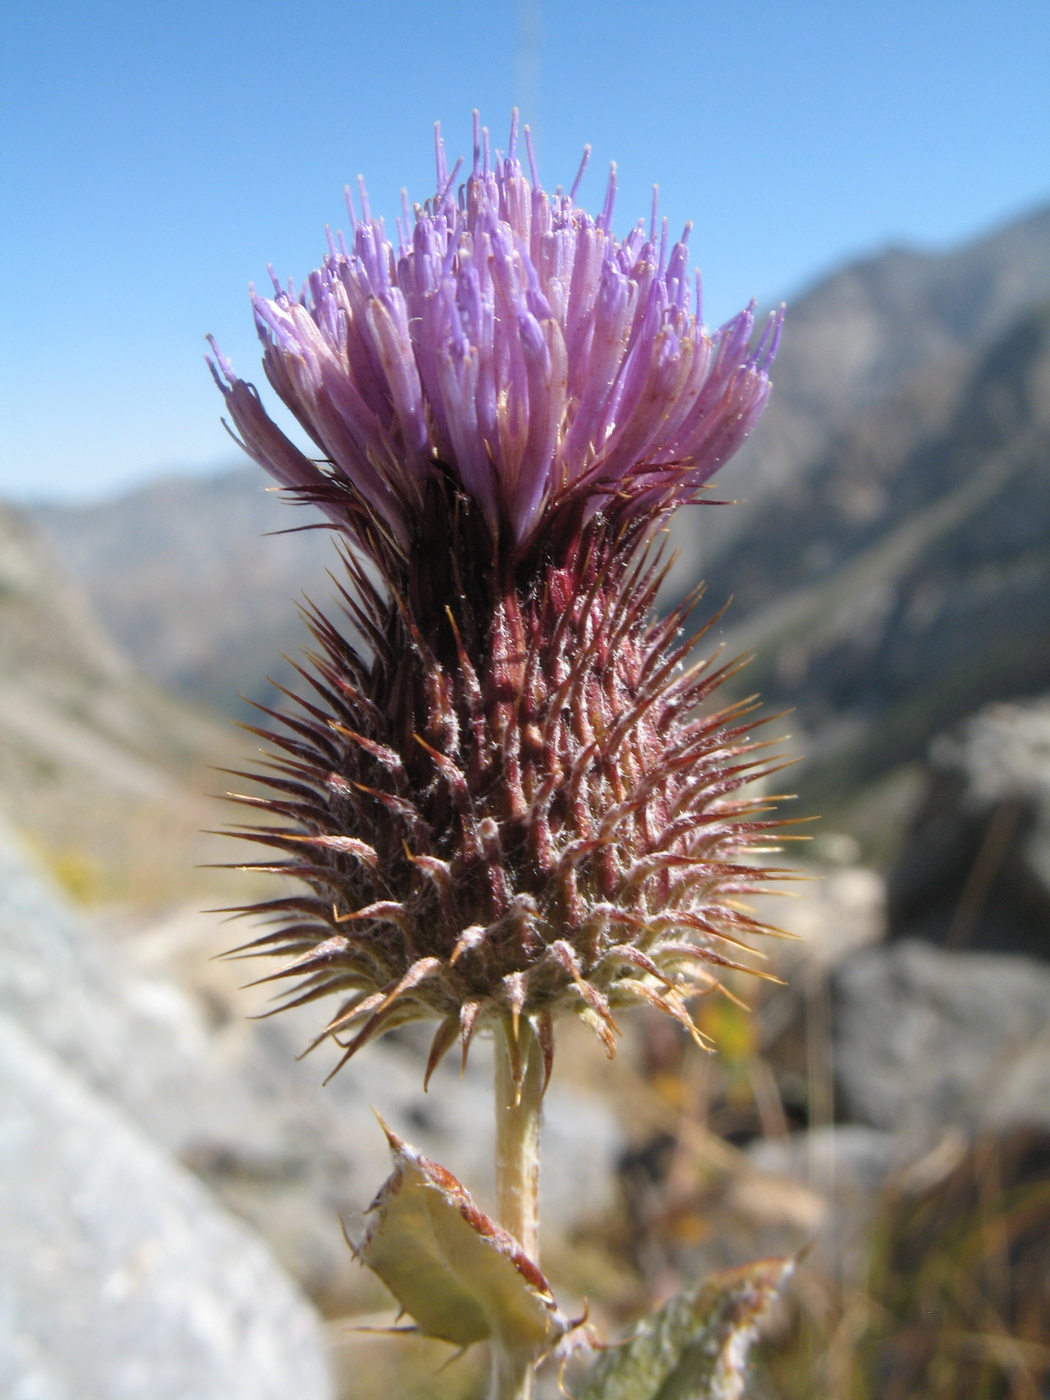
<point>518,1111</point>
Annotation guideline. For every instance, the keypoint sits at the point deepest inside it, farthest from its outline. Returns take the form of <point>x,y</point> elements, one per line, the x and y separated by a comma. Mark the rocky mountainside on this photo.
<point>99,770</point>
<point>193,581</point>
<point>862,334</point>
<point>909,569</point>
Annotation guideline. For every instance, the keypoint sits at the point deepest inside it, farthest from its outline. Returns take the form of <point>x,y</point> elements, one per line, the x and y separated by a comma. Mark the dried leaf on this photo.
<point>696,1346</point>
<point>454,1271</point>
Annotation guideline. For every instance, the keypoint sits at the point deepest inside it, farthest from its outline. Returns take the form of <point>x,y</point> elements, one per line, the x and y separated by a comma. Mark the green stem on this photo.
<point>518,1109</point>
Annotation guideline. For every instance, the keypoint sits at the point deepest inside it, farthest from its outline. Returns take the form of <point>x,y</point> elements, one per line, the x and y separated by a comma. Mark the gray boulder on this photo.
<point>975,869</point>
<point>121,1277</point>
<point>926,1039</point>
<point>843,1167</point>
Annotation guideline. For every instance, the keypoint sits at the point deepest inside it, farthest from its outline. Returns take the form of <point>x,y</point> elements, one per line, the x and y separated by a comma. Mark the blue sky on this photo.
<point>158,155</point>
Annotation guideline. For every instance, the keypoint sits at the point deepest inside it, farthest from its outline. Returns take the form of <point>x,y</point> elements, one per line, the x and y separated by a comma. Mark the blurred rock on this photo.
<point>850,1158</point>
<point>843,1167</point>
<point>836,909</point>
<point>925,1039</point>
<point>121,1278</point>
<point>974,869</point>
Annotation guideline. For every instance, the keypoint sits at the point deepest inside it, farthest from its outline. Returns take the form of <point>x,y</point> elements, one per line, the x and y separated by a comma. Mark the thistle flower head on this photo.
<point>498,790</point>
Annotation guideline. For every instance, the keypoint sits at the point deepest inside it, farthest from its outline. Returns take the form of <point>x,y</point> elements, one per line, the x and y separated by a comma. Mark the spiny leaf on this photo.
<point>696,1346</point>
<point>456,1273</point>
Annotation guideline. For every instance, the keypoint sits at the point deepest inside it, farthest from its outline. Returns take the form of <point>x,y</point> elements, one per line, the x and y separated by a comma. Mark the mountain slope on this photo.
<point>193,583</point>
<point>862,333</point>
<point>905,580</point>
<point>101,772</point>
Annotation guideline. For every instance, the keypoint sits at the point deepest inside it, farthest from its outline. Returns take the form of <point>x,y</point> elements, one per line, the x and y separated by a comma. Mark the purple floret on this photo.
<point>511,339</point>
